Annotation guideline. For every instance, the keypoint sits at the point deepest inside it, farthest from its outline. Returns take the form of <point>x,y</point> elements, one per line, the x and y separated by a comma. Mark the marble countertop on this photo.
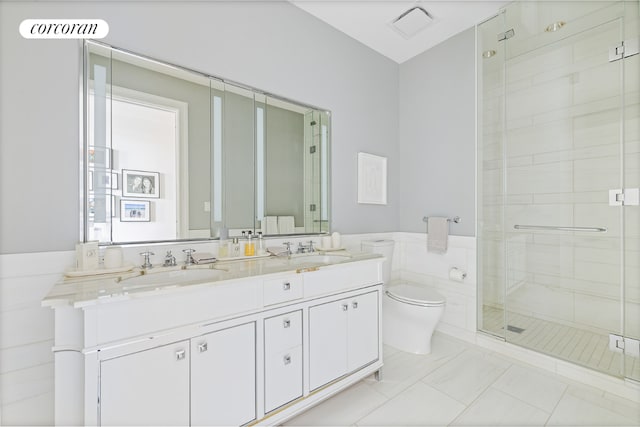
<point>135,283</point>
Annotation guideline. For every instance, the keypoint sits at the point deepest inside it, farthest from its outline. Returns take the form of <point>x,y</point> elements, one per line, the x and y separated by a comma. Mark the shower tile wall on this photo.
<point>562,156</point>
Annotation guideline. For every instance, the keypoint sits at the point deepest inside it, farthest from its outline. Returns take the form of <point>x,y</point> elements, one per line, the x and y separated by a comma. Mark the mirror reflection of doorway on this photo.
<point>145,136</point>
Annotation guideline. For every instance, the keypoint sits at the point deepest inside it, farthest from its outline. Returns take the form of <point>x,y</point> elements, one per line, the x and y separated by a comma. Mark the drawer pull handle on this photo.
<point>355,304</point>
<point>345,307</point>
<point>287,359</point>
<point>181,354</point>
<point>286,323</point>
<point>202,347</point>
<point>286,286</point>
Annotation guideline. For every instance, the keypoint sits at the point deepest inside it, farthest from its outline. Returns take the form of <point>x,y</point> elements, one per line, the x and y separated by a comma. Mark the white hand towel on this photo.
<point>438,234</point>
<point>269,225</point>
<point>203,258</point>
<point>286,225</point>
<point>277,250</point>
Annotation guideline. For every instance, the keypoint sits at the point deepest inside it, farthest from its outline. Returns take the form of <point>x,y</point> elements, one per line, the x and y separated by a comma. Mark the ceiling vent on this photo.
<point>411,22</point>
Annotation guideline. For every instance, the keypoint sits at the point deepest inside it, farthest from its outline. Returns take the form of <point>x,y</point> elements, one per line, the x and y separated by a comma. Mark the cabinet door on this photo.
<point>282,359</point>
<point>150,387</point>
<point>282,377</point>
<point>327,342</point>
<point>363,326</point>
<point>223,377</point>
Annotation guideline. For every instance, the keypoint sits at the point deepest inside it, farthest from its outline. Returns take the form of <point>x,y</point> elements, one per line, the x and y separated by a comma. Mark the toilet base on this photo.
<point>407,327</point>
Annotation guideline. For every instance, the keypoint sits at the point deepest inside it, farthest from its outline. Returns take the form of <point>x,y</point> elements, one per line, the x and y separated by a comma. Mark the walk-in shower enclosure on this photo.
<point>558,178</point>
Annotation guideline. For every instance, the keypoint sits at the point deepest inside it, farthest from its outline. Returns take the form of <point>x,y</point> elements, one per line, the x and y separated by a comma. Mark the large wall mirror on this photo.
<point>173,154</point>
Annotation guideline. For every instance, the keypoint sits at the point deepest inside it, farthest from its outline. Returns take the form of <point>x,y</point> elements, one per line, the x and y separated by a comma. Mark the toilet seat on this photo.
<point>415,295</point>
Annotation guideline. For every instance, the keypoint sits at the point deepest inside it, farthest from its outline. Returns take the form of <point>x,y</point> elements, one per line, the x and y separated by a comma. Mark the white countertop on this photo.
<point>111,287</point>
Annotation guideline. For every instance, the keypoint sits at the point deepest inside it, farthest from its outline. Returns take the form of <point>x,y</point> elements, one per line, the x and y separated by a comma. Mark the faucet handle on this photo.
<point>147,262</point>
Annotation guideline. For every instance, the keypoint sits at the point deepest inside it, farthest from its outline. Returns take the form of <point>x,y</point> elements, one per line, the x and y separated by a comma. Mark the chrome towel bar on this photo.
<point>555,228</point>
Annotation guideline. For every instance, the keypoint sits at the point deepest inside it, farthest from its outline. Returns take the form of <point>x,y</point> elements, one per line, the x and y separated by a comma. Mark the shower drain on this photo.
<point>515,329</point>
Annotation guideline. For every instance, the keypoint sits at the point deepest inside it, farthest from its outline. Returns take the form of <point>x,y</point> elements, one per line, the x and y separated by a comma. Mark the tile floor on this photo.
<point>460,384</point>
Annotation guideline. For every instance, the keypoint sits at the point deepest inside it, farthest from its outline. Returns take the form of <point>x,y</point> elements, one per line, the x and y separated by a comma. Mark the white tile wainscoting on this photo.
<point>26,329</point>
<point>26,336</point>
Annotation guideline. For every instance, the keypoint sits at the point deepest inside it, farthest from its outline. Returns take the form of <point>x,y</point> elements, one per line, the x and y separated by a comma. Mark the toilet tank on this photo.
<point>383,247</point>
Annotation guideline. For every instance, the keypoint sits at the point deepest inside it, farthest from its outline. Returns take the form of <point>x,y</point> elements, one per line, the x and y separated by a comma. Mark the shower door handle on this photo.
<point>557,228</point>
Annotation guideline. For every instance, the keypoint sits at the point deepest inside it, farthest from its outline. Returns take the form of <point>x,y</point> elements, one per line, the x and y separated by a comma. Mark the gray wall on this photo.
<point>437,135</point>
<point>297,56</point>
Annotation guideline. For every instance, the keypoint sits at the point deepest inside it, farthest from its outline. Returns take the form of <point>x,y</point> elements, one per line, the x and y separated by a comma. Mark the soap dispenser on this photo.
<point>234,248</point>
<point>249,246</point>
<point>223,249</point>
<point>223,244</point>
<point>261,249</point>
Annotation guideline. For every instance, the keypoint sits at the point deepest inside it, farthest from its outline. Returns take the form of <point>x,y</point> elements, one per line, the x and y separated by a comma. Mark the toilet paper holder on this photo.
<point>456,274</point>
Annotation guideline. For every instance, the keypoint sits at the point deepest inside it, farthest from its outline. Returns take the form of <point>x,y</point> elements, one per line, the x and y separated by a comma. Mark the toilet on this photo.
<point>410,312</point>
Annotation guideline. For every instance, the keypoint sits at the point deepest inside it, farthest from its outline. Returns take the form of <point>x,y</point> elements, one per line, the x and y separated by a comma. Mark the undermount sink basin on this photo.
<point>318,259</point>
<point>170,277</point>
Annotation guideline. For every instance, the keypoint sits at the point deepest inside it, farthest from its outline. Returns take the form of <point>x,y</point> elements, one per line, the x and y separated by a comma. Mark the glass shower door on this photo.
<point>559,129</point>
<point>490,186</point>
<point>563,240</point>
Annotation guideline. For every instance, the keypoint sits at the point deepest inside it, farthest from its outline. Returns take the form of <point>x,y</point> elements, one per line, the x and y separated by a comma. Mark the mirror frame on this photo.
<point>85,137</point>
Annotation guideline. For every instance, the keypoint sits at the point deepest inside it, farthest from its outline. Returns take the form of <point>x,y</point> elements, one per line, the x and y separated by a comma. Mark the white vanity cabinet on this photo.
<point>149,387</point>
<point>244,350</point>
<point>343,336</point>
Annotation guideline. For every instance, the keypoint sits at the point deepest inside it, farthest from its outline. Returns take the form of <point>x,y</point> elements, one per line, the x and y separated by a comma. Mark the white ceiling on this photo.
<point>368,21</point>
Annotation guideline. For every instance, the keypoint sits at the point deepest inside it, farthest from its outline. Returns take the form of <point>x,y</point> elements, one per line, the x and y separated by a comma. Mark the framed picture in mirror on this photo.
<point>105,179</point>
<point>99,157</point>
<point>135,210</point>
<point>137,183</point>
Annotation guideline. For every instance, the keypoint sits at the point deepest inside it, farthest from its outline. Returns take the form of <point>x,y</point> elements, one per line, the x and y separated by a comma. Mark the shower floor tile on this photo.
<point>575,345</point>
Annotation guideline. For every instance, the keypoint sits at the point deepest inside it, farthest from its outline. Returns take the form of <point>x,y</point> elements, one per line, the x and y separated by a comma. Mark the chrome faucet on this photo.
<point>288,250</point>
<point>302,249</point>
<point>169,260</point>
<point>189,259</point>
<point>147,262</point>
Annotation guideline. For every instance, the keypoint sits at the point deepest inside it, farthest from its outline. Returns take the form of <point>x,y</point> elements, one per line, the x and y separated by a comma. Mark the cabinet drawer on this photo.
<point>282,289</point>
<point>283,377</point>
<point>283,332</point>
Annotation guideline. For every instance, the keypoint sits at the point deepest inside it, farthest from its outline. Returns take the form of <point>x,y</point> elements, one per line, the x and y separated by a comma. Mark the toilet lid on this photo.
<point>414,294</point>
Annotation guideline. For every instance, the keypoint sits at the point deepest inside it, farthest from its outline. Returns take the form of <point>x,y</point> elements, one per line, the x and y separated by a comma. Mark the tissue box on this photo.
<point>87,256</point>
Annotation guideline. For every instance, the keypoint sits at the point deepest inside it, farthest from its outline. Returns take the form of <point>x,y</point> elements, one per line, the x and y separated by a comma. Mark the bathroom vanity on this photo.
<point>245,342</point>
